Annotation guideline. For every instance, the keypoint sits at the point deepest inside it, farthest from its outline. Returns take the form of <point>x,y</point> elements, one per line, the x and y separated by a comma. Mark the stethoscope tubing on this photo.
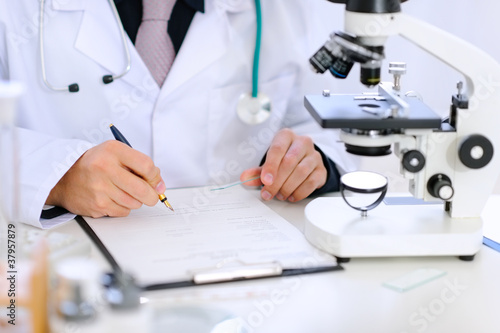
<point>42,50</point>
<point>124,40</point>
<point>256,57</point>
<point>74,86</point>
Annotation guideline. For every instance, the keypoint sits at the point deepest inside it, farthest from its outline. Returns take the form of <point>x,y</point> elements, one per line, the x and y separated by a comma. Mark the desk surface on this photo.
<point>353,300</point>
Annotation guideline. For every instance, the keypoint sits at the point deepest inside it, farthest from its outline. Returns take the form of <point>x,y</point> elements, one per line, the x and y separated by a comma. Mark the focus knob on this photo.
<point>439,186</point>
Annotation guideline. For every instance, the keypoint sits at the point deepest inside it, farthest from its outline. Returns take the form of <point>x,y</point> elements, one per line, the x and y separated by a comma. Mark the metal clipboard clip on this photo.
<point>226,271</point>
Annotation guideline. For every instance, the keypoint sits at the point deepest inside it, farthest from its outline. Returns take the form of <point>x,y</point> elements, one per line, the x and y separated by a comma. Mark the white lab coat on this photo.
<point>190,127</point>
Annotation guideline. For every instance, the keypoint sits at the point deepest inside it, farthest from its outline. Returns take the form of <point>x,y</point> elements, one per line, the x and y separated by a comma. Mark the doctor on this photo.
<point>184,129</point>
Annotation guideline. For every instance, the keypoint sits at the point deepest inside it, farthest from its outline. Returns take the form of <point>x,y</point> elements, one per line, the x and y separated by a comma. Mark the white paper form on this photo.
<point>207,228</point>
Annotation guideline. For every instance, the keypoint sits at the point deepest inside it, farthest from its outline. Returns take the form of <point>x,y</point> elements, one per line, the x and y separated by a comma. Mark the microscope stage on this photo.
<point>349,111</point>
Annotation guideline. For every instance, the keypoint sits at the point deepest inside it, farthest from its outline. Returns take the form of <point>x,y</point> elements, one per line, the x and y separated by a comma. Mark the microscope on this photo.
<point>450,163</point>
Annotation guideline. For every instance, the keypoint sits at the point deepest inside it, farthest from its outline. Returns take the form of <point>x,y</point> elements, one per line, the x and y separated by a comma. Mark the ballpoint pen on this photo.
<point>119,136</point>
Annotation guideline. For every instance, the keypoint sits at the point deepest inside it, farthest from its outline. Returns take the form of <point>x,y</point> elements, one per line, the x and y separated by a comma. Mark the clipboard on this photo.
<point>212,275</point>
<point>231,236</point>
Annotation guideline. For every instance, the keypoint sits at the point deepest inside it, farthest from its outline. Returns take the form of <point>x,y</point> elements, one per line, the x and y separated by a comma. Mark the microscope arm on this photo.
<point>475,64</point>
<point>482,75</point>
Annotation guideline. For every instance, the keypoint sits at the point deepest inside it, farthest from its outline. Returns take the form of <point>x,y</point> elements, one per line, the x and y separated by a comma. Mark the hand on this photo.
<point>108,180</point>
<point>293,168</point>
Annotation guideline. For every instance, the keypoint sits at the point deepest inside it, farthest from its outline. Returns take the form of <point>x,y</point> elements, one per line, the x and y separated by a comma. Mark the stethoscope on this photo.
<point>74,86</point>
<point>252,108</point>
<point>255,108</point>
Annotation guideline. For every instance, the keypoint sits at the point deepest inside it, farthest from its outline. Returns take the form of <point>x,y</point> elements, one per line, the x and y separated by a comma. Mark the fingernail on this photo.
<point>160,188</point>
<point>266,195</point>
<point>291,199</point>
<point>268,179</point>
<point>279,196</point>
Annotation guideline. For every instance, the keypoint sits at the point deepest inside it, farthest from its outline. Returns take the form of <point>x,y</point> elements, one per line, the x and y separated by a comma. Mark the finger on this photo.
<point>293,157</point>
<point>134,186</point>
<point>306,166</point>
<point>125,200</point>
<point>279,146</point>
<point>104,206</point>
<point>314,181</point>
<point>116,210</point>
<point>298,176</point>
<point>143,166</point>
<point>249,174</point>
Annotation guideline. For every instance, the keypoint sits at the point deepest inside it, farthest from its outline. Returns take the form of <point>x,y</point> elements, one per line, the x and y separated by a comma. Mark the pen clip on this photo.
<point>224,272</point>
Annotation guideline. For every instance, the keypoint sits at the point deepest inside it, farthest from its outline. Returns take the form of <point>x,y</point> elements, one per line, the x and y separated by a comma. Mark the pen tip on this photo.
<point>168,205</point>
<point>163,199</point>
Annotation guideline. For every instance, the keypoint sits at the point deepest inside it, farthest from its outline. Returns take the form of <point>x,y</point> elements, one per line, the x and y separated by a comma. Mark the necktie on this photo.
<point>153,42</point>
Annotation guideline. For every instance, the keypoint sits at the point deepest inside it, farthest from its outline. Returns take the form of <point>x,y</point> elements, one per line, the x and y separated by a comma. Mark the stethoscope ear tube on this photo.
<point>107,79</point>
<point>74,87</point>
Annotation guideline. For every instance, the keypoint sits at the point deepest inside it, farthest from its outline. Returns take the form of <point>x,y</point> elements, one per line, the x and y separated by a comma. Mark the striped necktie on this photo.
<point>153,42</point>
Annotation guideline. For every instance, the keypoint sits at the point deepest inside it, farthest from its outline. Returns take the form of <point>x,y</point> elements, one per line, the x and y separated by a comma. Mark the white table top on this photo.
<point>465,299</point>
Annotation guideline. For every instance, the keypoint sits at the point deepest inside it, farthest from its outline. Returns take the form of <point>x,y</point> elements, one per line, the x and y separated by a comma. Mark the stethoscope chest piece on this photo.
<point>254,110</point>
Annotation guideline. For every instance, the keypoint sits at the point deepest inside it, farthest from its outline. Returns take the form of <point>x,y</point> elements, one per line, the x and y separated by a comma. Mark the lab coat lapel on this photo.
<point>99,38</point>
<point>206,41</point>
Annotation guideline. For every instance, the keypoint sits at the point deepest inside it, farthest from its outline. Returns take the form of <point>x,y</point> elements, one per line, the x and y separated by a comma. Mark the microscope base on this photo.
<point>390,230</point>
